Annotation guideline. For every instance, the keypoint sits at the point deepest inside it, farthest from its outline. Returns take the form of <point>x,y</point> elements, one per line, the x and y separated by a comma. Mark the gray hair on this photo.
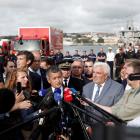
<point>104,66</point>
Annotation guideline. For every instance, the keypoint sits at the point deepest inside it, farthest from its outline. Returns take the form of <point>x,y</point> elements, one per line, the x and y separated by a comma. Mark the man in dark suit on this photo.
<point>103,90</point>
<point>53,121</point>
<point>51,126</point>
<point>68,80</point>
<point>37,75</point>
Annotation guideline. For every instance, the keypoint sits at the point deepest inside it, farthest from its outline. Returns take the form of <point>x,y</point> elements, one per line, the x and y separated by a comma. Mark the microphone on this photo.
<point>57,95</point>
<point>42,92</point>
<point>109,116</point>
<point>71,94</point>
<point>68,95</point>
<point>58,98</point>
<point>74,92</point>
<point>135,76</point>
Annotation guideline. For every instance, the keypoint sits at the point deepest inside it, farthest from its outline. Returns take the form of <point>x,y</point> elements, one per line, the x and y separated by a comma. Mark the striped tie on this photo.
<point>97,92</point>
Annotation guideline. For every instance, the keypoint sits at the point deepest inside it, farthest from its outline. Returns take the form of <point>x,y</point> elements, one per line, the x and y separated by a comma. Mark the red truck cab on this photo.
<point>39,38</point>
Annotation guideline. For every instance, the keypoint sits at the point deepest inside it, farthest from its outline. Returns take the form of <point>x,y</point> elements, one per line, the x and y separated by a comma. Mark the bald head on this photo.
<point>77,68</point>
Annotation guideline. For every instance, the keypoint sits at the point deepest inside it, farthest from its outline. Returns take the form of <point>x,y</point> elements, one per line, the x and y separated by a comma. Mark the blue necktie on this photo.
<point>97,92</point>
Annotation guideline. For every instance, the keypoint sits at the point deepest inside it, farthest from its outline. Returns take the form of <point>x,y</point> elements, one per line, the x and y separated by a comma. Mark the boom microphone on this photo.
<point>135,76</point>
<point>109,116</point>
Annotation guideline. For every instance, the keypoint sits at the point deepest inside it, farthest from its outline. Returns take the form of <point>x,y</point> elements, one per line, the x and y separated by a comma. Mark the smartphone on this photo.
<point>19,88</point>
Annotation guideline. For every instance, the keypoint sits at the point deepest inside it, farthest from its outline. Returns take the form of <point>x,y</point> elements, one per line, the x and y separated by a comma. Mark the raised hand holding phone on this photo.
<point>18,87</point>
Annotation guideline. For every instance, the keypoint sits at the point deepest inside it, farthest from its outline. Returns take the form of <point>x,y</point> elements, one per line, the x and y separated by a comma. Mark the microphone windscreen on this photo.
<point>57,95</point>
<point>66,90</point>
<point>73,91</point>
<point>68,96</point>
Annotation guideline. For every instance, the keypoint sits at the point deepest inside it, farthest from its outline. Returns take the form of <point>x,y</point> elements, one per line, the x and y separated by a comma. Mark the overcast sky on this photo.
<point>68,15</point>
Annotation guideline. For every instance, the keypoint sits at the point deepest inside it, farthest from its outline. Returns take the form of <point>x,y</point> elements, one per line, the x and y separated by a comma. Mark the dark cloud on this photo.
<point>70,16</point>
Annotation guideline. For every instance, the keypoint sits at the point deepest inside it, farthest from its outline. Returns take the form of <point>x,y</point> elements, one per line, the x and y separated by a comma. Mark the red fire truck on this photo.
<point>36,38</point>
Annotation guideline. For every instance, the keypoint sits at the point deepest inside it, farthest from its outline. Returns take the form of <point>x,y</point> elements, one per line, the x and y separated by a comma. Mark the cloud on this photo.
<point>70,16</point>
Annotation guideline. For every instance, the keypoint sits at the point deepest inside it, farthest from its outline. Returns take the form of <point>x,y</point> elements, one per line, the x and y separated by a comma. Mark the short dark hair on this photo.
<point>29,56</point>
<point>89,60</point>
<point>135,65</point>
<point>53,69</point>
<point>6,63</point>
<point>48,61</point>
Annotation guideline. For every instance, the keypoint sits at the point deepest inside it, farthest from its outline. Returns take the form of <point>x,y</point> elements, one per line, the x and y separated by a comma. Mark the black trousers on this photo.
<point>110,63</point>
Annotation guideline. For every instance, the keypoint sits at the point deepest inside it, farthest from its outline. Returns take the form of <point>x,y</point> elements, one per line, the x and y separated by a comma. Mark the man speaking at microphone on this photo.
<point>51,125</point>
<point>53,97</point>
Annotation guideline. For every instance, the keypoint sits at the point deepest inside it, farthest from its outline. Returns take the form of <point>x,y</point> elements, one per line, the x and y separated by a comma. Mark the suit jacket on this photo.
<point>110,94</point>
<point>53,118</point>
<point>76,83</point>
<point>36,80</point>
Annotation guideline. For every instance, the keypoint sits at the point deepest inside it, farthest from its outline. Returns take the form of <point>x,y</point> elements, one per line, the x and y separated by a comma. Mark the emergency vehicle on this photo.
<point>39,38</point>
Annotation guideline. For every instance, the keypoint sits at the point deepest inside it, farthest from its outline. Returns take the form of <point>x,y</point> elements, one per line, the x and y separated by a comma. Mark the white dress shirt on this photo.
<point>38,71</point>
<point>67,81</point>
<point>110,56</point>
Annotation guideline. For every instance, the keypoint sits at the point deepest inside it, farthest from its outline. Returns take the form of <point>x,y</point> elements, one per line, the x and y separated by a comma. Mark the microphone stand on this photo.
<point>88,113</point>
<point>109,116</point>
<point>81,123</point>
<point>29,119</point>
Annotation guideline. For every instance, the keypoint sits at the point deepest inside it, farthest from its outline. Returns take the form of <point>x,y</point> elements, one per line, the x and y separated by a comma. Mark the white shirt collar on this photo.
<point>67,80</point>
<point>38,71</point>
<point>55,88</point>
<point>95,89</point>
<point>100,84</point>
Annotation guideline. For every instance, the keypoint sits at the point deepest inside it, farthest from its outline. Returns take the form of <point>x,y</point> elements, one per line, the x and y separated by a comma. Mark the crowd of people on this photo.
<point>40,82</point>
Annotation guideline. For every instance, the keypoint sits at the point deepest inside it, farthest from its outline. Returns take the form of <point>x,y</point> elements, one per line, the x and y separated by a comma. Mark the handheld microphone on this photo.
<point>42,92</point>
<point>74,91</point>
<point>57,95</point>
<point>68,95</point>
<point>58,98</point>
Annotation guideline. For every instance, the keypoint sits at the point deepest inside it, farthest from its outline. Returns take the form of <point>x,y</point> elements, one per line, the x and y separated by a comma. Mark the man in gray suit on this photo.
<point>110,91</point>
<point>103,90</point>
